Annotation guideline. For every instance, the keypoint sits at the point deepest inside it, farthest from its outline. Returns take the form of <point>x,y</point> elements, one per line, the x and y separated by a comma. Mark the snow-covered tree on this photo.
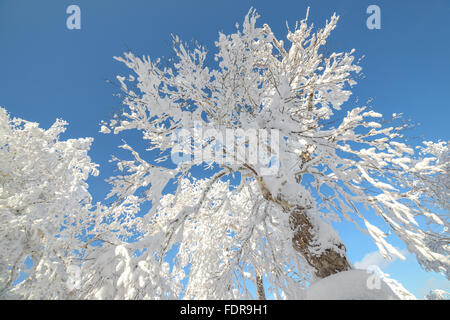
<point>265,222</point>
<point>43,204</point>
<point>438,294</point>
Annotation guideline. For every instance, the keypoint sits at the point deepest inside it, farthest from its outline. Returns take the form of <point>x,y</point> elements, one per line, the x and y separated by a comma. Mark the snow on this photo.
<point>438,294</point>
<point>351,285</point>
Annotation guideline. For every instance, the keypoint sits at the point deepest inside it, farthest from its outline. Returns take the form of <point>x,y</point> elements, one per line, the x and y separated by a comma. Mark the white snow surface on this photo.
<point>350,285</point>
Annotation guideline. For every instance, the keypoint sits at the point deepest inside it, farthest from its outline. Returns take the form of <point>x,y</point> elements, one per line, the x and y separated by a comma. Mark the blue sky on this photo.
<point>49,72</point>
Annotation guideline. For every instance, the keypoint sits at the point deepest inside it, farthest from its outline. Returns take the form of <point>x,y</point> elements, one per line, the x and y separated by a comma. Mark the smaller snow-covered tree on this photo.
<point>44,202</point>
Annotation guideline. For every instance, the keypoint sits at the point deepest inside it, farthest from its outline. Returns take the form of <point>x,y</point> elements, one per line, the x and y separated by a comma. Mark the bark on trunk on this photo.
<point>260,287</point>
<point>330,261</point>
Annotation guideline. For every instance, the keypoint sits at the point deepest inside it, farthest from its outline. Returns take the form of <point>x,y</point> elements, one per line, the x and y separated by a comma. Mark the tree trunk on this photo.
<point>327,263</point>
<point>260,287</point>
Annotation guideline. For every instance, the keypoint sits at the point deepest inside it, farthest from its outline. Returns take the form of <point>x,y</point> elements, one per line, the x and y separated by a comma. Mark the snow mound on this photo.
<point>351,285</point>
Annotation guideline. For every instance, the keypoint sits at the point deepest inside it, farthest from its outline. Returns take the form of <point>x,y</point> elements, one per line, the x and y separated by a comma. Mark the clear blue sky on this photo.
<point>48,71</point>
